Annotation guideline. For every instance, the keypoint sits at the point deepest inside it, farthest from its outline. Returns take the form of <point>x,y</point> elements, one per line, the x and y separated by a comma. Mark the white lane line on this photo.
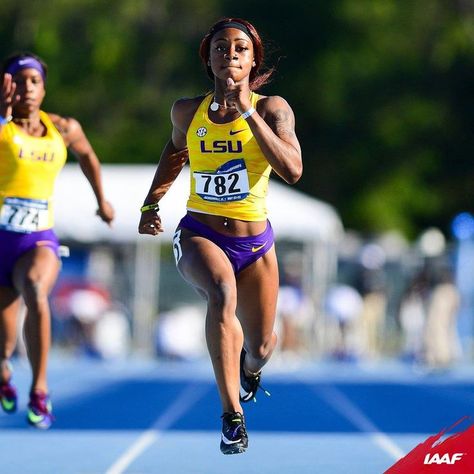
<point>188,397</point>
<point>346,408</point>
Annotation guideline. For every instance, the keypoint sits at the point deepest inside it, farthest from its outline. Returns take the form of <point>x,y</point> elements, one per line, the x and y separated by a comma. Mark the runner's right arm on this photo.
<point>172,160</point>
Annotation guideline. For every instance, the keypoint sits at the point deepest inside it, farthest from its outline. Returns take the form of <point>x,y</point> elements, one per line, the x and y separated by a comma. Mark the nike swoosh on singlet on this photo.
<point>256,249</point>
<point>232,132</point>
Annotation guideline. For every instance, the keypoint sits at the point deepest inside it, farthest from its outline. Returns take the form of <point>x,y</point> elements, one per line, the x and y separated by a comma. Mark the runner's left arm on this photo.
<point>77,142</point>
<point>273,126</point>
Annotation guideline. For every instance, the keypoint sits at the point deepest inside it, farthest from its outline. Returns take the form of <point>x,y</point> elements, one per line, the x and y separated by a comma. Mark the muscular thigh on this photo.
<point>39,266</point>
<point>257,290</point>
<point>202,263</point>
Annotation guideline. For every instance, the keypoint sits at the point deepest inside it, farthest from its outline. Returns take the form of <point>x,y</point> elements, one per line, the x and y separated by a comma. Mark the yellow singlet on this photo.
<point>28,170</point>
<point>229,173</point>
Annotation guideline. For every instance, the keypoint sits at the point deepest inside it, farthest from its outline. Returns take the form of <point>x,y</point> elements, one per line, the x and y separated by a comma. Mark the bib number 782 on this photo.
<point>232,186</point>
<point>221,184</point>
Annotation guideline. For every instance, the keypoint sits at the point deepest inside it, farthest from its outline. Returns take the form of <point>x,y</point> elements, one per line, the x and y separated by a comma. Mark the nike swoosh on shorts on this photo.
<point>256,249</point>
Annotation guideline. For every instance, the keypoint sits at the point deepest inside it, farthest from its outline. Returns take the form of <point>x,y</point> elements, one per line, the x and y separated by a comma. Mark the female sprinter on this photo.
<point>233,138</point>
<point>32,152</point>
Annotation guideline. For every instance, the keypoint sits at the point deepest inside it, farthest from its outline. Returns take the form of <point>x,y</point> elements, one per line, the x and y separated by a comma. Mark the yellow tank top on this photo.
<point>28,170</point>
<point>229,173</point>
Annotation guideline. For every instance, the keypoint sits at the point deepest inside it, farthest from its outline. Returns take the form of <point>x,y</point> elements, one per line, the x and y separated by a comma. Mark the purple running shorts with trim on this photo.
<point>14,244</point>
<point>241,251</point>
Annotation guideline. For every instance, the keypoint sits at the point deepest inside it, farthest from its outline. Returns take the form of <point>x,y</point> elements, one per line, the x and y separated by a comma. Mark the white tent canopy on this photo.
<point>294,215</point>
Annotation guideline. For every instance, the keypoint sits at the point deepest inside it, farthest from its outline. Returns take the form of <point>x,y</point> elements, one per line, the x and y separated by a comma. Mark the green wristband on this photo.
<point>150,207</point>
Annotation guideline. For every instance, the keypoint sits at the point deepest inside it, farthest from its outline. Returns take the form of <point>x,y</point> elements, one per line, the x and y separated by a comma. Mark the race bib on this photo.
<point>229,182</point>
<point>23,215</point>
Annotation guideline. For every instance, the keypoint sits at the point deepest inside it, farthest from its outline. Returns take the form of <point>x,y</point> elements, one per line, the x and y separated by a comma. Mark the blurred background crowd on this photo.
<point>383,97</point>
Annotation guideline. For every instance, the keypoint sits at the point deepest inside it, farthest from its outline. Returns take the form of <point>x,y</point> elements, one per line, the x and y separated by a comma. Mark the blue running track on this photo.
<point>147,417</point>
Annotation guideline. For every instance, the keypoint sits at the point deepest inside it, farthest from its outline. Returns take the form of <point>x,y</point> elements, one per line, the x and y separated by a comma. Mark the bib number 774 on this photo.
<point>23,215</point>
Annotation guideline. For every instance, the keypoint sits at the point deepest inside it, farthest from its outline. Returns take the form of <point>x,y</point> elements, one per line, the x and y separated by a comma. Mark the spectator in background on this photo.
<point>372,287</point>
<point>179,333</point>
<point>74,301</point>
<point>293,306</point>
<point>111,336</point>
<point>90,321</point>
<point>343,306</point>
<point>441,341</point>
<point>412,316</point>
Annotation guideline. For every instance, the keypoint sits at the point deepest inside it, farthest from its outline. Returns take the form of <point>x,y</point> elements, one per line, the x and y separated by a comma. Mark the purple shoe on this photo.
<point>8,397</point>
<point>40,410</point>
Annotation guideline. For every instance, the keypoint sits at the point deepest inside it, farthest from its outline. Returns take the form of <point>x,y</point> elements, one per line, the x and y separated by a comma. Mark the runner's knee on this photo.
<point>34,292</point>
<point>261,349</point>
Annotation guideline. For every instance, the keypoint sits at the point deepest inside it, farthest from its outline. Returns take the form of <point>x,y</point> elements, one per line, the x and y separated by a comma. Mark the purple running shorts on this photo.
<point>241,251</point>
<point>14,244</point>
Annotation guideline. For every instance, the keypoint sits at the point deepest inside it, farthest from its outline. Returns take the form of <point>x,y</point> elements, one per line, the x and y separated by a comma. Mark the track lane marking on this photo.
<point>342,404</point>
<point>188,397</point>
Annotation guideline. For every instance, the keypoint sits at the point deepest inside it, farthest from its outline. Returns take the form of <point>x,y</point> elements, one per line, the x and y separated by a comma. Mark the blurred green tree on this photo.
<point>115,65</point>
<point>382,91</point>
